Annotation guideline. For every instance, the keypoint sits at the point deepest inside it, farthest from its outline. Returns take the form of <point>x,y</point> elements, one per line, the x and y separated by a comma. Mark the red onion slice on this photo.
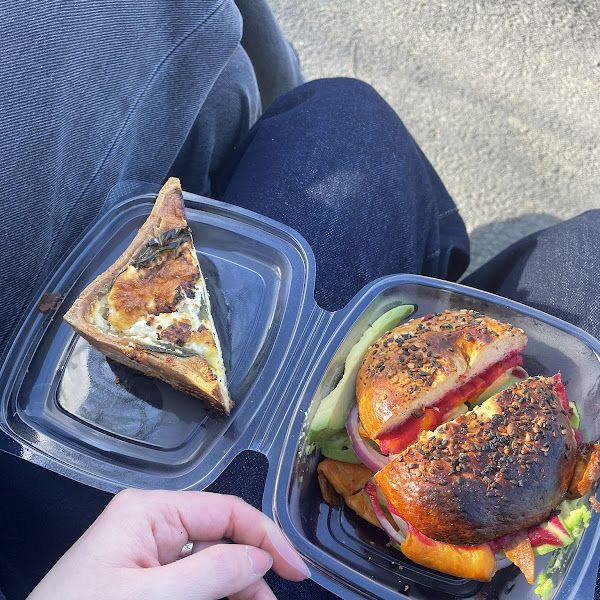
<point>401,524</point>
<point>367,455</point>
<point>394,535</point>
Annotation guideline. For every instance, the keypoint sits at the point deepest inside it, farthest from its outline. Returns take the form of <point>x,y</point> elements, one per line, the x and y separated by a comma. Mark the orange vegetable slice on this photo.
<point>520,552</point>
<point>472,562</point>
<point>587,470</point>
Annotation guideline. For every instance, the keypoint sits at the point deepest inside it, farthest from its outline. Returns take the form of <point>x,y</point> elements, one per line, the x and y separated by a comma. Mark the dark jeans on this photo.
<point>332,160</point>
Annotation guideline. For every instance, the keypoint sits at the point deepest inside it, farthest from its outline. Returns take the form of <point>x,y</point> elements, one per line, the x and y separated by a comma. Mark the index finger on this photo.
<point>209,516</point>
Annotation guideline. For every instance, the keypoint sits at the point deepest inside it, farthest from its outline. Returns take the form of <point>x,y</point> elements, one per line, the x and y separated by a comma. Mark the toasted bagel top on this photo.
<point>419,362</point>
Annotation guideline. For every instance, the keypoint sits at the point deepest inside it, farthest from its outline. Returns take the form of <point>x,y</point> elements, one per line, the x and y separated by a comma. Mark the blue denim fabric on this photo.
<point>97,93</point>
<point>275,61</point>
<point>555,270</point>
<point>332,160</point>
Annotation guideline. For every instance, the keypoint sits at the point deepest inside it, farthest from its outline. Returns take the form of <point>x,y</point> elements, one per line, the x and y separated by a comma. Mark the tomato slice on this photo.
<point>393,442</point>
<point>398,440</point>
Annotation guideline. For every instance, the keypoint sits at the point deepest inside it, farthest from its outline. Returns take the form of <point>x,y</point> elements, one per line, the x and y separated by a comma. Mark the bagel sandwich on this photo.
<point>494,481</point>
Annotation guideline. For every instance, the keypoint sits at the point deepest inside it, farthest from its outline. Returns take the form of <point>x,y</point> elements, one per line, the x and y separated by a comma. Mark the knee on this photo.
<point>335,87</point>
<point>571,239</point>
<point>342,98</point>
<point>351,97</point>
<point>590,218</point>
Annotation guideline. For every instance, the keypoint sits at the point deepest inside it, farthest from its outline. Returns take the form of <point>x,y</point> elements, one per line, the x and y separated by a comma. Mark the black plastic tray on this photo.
<point>62,408</point>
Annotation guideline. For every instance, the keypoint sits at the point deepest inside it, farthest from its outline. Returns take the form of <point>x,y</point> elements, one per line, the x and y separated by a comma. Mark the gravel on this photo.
<point>503,98</point>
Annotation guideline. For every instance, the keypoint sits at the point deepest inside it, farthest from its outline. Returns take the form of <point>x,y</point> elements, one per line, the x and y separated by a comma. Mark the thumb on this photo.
<point>215,572</point>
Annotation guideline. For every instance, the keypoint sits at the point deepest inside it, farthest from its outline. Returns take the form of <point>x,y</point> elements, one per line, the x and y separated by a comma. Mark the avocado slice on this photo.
<point>503,382</point>
<point>574,415</point>
<point>334,408</point>
<point>339,447</point>
<point>575,518</point>
<point>566,527</point>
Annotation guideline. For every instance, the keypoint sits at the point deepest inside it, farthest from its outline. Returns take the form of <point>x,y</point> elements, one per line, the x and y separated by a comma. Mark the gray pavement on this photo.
<point>503,98</point>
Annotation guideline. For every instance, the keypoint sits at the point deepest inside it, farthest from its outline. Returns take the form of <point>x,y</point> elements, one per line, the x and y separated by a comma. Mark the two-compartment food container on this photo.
<point>67,408</point>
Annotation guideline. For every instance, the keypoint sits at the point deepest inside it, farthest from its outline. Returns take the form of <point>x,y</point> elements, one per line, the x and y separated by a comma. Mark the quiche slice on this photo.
<point>151,310</point>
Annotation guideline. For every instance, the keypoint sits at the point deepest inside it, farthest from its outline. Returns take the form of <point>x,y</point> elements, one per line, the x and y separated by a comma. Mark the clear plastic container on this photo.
<point>62,408</point>
<point>350,556</point>
<point>60,400</point>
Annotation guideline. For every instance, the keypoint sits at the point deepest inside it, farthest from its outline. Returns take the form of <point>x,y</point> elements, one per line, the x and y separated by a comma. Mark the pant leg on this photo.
<point>275,62</point>
<point>333,160</point>
<point>555,270</point>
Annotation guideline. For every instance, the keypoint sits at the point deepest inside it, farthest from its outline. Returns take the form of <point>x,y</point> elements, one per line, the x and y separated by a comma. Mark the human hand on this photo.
<point>131,551</point>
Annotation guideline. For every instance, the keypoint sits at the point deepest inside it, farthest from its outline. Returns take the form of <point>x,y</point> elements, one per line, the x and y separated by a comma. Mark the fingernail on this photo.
<point>260,561</point>
<point>284,548</point>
